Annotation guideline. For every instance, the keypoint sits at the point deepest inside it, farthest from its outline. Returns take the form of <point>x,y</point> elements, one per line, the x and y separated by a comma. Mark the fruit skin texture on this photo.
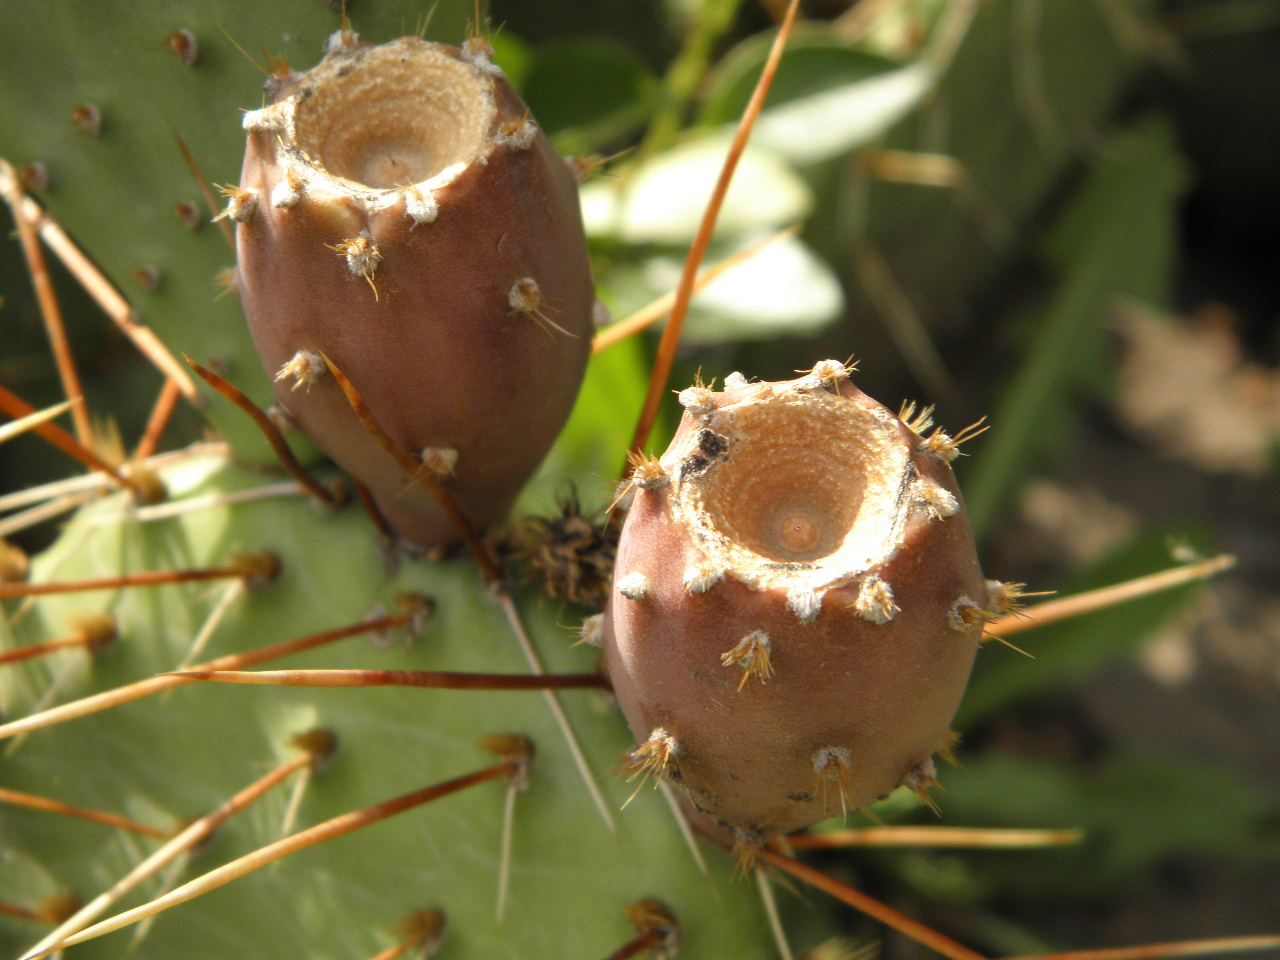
<point>393,202</point>
<point>817,493</point>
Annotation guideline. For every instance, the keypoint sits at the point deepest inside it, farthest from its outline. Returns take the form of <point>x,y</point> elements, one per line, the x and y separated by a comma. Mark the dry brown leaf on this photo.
<point>1186,386</point>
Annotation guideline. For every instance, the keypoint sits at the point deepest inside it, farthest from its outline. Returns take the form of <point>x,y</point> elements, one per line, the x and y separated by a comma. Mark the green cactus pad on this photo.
<point>179,754</point>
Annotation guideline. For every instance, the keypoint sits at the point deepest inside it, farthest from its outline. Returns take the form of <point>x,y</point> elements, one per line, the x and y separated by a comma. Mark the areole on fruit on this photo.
<point>401,214</point>
<point>797,605</point>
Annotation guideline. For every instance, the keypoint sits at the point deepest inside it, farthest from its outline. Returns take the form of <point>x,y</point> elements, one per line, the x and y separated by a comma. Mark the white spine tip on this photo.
<point>939,502</point>
<point>257,121</point>
<point>419,206</point>
<point>581,167</point>
<point>525,296</point>
<point>601,316</point>
<point>361,254</point>
<point>593,631</point>
<point>478,52</point>
<point>517,134</point>
<point>650,474</point>
<point>752,655</point>
<point>1005,597</point>
<point>804,603</point>
<point>634,586</point>
<point>625,494</point>
<point>283,196</point>
<point>827,758</point>
<point>923,775</point>
<point>342,42</point>
<point>702,576</point>
<point>940,445</point>
<point>288,191</point>
<point>440,461</point>
<point>241,204</point>
<point>830,372</point>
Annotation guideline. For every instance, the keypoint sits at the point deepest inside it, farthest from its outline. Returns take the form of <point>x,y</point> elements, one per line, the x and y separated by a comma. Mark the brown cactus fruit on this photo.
<point>400,213</point>
<point>796,605</point>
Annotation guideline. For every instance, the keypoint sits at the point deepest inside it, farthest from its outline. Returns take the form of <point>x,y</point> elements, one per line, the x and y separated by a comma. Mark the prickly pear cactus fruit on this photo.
<point>796,606</point>
<point>177,755</point>
<point>400,213</point>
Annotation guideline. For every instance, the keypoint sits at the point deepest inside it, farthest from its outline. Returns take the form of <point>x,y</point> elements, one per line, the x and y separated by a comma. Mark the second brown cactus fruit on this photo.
<point>401,213</point>
<point>796,606</point>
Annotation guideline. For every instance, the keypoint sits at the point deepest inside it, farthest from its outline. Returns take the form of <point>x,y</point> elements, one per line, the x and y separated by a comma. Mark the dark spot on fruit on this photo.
<point>711,447</point>
<point>712,444</point>
<point>692,466</point>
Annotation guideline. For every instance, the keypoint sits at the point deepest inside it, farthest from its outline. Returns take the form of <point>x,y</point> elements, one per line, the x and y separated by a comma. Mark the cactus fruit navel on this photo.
<point>796,607</point>
<point>400,213</point>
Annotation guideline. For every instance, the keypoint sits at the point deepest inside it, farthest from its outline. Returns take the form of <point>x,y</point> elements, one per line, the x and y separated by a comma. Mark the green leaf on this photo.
<point>662,201</point>
<point>588,93</point>
<point>826,100</point>
<point>815,61</point>
<point>833,122</point>
<point>1067,652</point>
<point>592,448</point>
<point>785,290</point>
<point>1135,809</point>
<point>1117,238</point>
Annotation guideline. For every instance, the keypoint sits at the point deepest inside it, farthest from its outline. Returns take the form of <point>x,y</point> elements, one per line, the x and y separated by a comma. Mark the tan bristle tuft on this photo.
<point>241,203</point>
<point>655,757</point>
<point>751,654</point>
<point>834,764</point>
<point>920,779</point>
<point>304,368</point>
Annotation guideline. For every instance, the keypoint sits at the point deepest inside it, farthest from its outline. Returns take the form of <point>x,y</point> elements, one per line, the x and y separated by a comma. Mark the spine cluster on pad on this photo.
<point>782,634</point>
<point>401,214</point>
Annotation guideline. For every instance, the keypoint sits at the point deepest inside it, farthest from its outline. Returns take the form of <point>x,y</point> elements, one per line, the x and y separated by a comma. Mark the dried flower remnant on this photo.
<point>571,555</point>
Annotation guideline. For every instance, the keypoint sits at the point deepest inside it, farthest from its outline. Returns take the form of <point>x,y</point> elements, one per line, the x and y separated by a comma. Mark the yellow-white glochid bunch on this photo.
<point>400,214</point>
<point>796,605</point>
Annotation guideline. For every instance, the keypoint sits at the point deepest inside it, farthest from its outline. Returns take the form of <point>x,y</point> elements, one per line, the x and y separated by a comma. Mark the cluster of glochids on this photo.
<point>796,602</point>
